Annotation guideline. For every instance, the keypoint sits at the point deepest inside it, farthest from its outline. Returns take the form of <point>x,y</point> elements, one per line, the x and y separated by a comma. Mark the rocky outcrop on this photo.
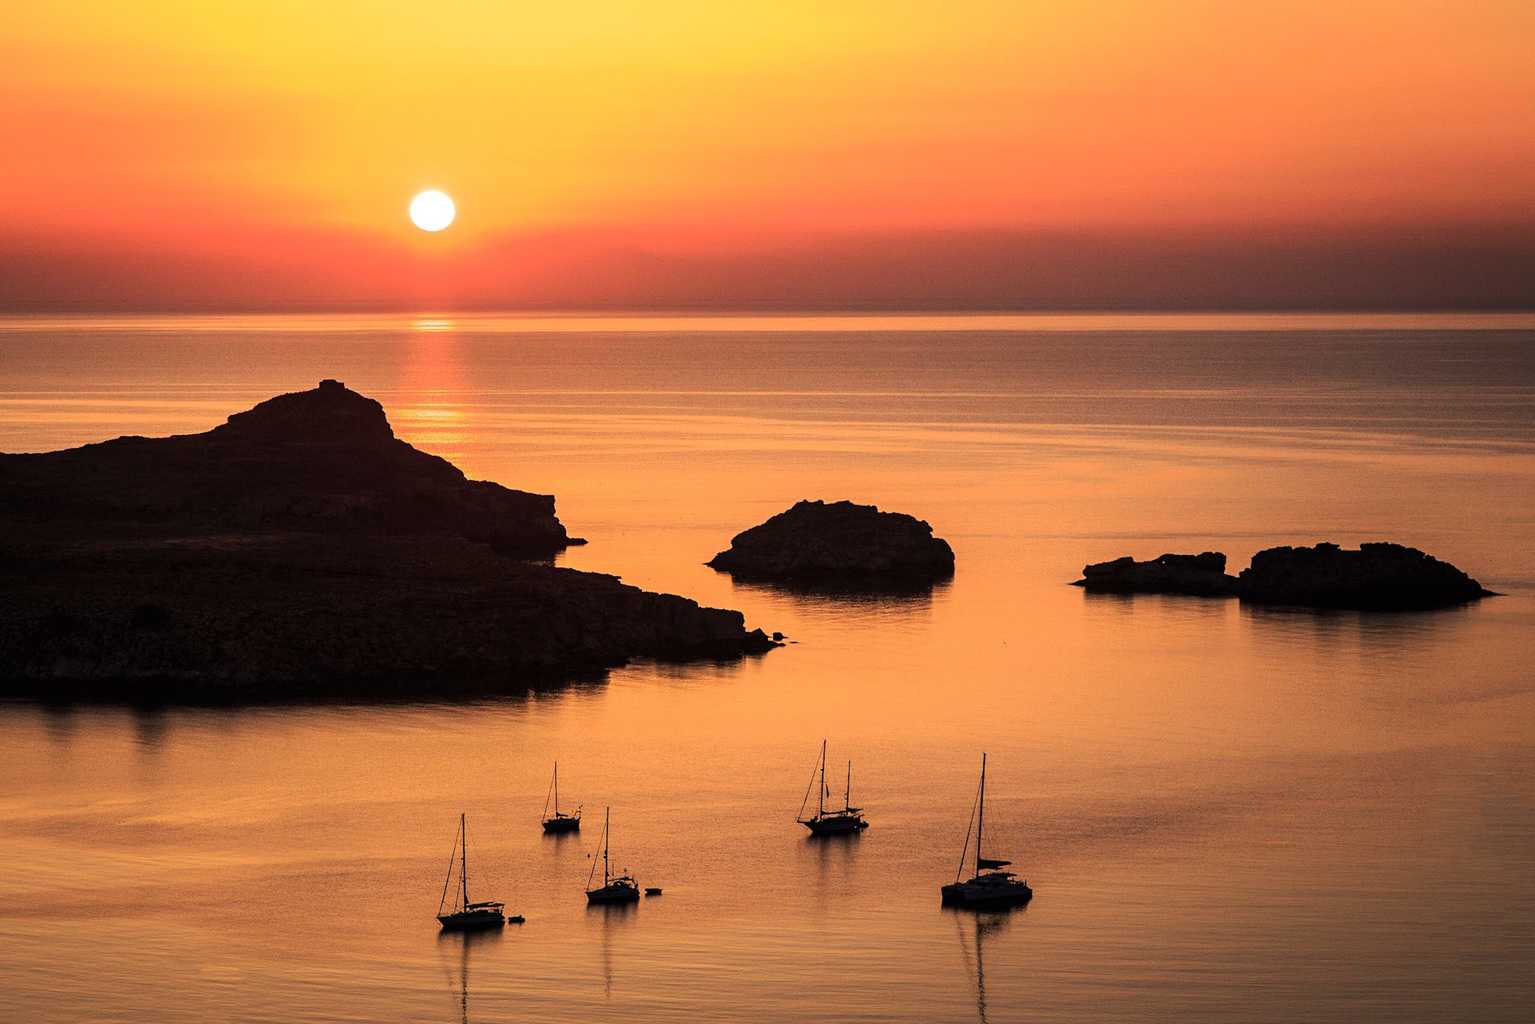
<point>838,544</point>
<point>1385,577</point>
<point>1376,577</point>
<point>348,565</point>
<point>322,461</point>
<point>1203,575</point>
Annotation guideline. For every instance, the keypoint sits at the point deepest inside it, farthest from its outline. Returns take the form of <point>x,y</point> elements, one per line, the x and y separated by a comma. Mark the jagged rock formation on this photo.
<point>838,543</point>
<point>1381,576</point>
<point>301,551</point>
<point>1376,577</point>
<point>1202,575</point>
<point>322,461</point>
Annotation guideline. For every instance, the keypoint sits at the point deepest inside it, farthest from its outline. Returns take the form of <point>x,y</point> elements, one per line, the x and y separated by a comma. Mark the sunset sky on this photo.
<point>181,155</point>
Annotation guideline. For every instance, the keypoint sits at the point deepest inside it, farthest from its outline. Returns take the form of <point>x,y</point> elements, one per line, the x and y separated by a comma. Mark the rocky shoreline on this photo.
<point>300,551</point>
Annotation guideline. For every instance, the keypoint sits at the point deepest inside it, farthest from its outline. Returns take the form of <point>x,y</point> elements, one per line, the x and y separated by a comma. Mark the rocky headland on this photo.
<point>1373,577</point>
<point>320,461</point>
<point>838,545</point>
<point>301,551</point>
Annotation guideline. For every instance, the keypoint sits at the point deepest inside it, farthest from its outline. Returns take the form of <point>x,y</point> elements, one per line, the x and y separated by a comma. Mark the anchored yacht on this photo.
<point>991,888</point>
<point>837,820</point>
<point>466,914</point>
<point>615,888</point>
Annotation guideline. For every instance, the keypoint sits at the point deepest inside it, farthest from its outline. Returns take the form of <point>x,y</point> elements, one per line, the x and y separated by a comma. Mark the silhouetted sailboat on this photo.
<point>614,889</point>
<point>464,914</point>
<point>991,888</point>
<point>560,822</point>
<point>823,822</point>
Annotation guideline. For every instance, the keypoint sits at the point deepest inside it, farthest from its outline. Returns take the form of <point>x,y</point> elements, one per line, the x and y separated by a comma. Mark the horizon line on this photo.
<point>747,321</point>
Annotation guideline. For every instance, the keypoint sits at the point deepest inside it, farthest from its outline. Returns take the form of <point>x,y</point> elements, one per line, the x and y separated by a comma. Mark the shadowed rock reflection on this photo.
<point>851,590</point>
<point>1384,630</point>
<point>61,722</point>
<point>150,725</point>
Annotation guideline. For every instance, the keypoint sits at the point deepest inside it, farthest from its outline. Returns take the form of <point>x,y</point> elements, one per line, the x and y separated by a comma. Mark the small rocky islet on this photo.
<point>838,544</point>
<point>1201,575</point>
<point>1377,576</point>
<point>302,551</point>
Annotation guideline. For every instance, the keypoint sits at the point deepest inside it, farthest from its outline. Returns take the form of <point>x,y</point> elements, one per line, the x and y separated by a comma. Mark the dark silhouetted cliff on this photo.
<point>321,461</point>
<point>302,551</point>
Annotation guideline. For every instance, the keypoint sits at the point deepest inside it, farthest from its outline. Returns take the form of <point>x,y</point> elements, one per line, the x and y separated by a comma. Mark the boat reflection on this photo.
<point>613,917</point>
<point>477,941</point>
<point>835,858</point>
<point>973,950</point>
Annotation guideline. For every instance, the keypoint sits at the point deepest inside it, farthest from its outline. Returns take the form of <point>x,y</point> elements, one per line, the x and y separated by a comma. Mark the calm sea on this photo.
<point>1226,813</point>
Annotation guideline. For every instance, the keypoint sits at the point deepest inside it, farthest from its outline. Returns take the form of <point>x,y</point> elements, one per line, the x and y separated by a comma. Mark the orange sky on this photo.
<point>172,155</point>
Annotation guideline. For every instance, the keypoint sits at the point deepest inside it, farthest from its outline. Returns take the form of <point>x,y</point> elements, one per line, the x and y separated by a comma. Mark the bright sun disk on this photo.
<point>432,210</point>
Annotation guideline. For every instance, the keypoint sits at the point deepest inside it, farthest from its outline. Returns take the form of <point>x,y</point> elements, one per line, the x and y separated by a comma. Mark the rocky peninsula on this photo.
<point>1374,577</point>
<point>838,544</point>
<point>302,551</point>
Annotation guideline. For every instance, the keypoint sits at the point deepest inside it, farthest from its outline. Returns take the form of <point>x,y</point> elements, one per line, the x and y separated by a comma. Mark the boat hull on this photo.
<point>611,894</point>
<point>835,826</point>
<point>473,920</point>
<point>556,826</point>
<point>987,894</point>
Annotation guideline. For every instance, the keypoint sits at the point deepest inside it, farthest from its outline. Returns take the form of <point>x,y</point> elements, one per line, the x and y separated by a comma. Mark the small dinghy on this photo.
<point>465,914</point>
<point>654,890</point>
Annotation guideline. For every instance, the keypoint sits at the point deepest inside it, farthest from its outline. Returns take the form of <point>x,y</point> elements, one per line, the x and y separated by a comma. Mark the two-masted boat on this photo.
<point>465,914</point>
<point>559,821</point>
<point>615,888</point>
<point>838,820</point>
<point>991,888</point>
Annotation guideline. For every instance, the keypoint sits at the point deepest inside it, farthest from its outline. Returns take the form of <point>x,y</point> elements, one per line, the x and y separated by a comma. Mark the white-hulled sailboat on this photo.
<point>840,820</point>
<point>464,914</point>
<point>614,888</point>
<point>991,888</point>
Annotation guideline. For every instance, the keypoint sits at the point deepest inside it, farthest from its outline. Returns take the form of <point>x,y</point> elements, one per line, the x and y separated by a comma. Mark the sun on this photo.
<point>432,210</point>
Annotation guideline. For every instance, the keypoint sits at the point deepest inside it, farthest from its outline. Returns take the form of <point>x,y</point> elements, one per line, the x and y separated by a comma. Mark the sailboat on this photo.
<point>614,889</point>
<point>561,822</point>
<point>837,821</point>
<point>465,915</point>
<point>991,888</point>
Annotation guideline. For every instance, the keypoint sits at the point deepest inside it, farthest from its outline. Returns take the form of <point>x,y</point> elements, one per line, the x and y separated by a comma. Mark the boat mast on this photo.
<point>820,796</point>
<point>556,789</point>
<point>463,863</point>
<point>980,821</point>
<point>607,817</point>
<point>847,797</point>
